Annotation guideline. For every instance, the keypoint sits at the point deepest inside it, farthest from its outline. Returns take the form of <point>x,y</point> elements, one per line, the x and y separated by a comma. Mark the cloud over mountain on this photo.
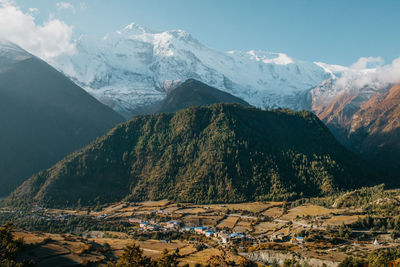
<point>46,40</point>
<point>370,72</point>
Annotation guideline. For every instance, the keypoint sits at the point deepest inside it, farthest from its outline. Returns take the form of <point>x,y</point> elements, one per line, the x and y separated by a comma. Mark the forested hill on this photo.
<point>218,153</point>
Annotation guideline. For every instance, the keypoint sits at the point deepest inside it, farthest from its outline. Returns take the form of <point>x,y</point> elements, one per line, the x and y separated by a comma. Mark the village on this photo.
<point>205,221</point>
<point>260,231</point>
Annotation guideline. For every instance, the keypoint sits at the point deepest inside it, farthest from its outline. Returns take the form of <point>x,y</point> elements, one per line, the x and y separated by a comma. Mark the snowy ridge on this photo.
<point>134,67</point>
<point>358,82</point>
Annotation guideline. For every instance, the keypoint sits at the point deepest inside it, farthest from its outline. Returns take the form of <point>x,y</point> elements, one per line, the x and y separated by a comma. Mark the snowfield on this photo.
<point>135,67</point>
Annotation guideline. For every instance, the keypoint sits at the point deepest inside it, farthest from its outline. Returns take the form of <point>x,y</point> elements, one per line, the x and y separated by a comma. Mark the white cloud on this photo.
<point>370,72</point>
<point>367,62</point>
<point>47,40</point>
<point>65,6</point>
<point>33,11</point>
<point>6,2</point>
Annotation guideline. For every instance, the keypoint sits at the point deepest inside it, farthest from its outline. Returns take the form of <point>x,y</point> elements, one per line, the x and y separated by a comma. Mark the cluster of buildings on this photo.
<point>281,237</point>
<point>223,236</point>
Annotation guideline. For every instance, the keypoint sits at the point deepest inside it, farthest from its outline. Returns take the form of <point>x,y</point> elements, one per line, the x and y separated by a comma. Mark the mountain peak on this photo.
<point>183,35</point>
<point>134,29</point>
<point>269,57</point>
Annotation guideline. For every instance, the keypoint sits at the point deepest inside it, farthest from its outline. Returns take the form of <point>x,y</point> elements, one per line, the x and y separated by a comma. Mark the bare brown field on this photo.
<point>151,248</point>
<point>203,256</point>
<point>338,220</point>
<point>113,208</point>
<point>154,248</point>
<point>129,209</point>
<point>193,210</point>
<point>251,206</point>
<point>274,212</point>
<point>187,250</point>
<point>160,203</point>
<point>229,222</point>
<point>267,226</point>
<point>149,208</point>
<point>56,250</point>
<point>171,209</point>
<point>243,226</point>
<point>194,220</point>
<point>308,210</point>
<point>115,243</point>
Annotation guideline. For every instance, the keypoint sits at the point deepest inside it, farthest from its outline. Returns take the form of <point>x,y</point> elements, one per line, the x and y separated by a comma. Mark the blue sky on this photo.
<point>335,32</point>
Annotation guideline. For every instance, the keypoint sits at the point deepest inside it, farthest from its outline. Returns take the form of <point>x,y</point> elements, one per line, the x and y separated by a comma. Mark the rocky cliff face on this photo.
<point>269,256</point>
<point>368,122</point>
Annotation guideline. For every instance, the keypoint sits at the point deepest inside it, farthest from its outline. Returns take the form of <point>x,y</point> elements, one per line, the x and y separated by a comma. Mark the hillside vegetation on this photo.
<point>218,153</point>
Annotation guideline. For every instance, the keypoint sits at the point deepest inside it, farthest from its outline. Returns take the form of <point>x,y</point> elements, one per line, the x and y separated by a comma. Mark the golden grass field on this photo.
<point>229,222</point>
<point>57,250</point>
<point>203,220</point>
<point>251,206</point>
<point>308,210</point>
<point>243,226</point>
<point>193,210</point>
<point>203,256</point>
<point>160,203</point>
<point>267,226</point>
<point>338,220</point>
<point>273,212</point>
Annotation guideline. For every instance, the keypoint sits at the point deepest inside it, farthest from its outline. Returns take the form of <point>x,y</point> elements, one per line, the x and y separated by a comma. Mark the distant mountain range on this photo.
<point>218,153</point>
<point>136,67</point>
<point>43,116</point>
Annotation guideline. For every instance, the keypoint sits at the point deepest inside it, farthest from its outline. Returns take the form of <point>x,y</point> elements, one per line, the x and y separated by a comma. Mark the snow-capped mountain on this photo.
<point>136,66</point>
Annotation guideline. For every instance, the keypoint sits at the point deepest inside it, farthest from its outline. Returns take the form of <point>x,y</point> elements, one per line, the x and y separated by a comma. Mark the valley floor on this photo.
<point>264,232</point>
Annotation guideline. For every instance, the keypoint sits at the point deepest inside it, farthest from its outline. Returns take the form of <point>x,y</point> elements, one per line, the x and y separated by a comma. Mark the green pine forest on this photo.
<point>213,154</point>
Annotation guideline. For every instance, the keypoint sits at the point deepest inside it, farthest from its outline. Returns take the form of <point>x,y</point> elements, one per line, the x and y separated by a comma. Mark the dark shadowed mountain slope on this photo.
<point>194,93</point>
<point>188,94</point>
<point>218,153</point>
<point>43,116</point>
